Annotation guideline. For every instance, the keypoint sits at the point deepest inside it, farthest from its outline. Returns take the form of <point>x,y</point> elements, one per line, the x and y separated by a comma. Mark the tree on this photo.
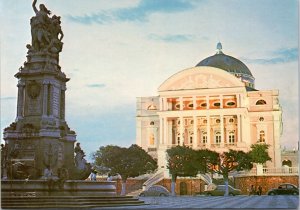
<point>232,161</point>
<point>259,153</point>
<point>181,162</point>
<point>128,162</point>
<point>206,159</point>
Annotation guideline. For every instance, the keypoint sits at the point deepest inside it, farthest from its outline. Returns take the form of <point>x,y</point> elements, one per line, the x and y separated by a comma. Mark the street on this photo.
<point>217,202</point>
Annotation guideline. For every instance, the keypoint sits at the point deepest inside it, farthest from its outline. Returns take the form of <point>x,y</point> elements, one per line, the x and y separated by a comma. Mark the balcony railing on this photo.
<point>282,170</point>
<point>270,171</point>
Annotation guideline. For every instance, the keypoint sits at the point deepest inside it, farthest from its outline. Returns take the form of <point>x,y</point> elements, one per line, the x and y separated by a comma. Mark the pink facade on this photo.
<point>212,105</point>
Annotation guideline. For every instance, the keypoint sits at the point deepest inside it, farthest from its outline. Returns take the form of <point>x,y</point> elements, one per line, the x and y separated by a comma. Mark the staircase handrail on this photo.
<point>156,177</point>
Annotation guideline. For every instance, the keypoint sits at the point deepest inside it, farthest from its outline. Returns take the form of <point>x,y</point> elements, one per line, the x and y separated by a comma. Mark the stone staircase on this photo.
<point>155,178</point>
<point>135,193</point>
<point>58,202</point>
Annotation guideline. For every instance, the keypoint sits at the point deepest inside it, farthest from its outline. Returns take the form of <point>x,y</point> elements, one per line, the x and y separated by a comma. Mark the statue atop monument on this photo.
<point>46,31</point>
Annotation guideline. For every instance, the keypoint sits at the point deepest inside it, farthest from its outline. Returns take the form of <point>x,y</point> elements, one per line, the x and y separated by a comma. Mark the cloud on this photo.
<point>8,98</point>
<point>171,38</point>
<point>279,56</point>
<point>96,85</point>
<point>99,18</point>
<point>138,13</point>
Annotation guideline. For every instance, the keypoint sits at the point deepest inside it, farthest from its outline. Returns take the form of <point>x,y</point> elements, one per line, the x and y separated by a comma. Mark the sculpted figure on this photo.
<point>55,31</point>
<point>39,23</point>
<point>82,169</point>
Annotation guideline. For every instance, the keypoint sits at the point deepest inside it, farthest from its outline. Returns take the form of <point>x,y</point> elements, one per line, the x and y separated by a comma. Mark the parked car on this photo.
<point>220,190</point>
<point>284,189</point>
<point>155,190</point>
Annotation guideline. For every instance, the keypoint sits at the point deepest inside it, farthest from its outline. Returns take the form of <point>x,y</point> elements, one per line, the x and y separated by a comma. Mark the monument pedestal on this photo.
<point>35,188</point>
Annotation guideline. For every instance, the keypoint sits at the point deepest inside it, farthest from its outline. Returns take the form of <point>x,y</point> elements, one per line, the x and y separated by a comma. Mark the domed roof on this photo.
<point>225,62</point>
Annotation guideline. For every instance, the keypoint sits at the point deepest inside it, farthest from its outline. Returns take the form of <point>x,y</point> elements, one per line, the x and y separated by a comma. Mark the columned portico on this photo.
<point>216,108</point>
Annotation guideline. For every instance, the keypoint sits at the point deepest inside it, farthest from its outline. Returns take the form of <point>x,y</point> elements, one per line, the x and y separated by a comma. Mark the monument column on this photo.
<point>62,104</point>
<point>20,105</point>
<point>45,98</point>
<point>50,100</point>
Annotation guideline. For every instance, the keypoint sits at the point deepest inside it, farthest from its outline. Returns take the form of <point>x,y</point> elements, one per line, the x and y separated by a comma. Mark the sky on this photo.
<point>117,50</point>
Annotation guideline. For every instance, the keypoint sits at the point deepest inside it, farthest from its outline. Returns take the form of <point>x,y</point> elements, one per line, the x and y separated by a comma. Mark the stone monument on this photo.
<point>40,135</point>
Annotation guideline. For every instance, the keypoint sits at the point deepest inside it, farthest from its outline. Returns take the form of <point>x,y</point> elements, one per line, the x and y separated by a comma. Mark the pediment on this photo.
<point>200,78</point>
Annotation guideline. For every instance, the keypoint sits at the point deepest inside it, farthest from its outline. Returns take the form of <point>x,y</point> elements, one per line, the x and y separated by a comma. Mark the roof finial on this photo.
<point>219,48</point>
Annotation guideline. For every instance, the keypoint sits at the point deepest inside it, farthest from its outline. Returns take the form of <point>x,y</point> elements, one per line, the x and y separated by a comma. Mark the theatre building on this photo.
<point>214,105</point>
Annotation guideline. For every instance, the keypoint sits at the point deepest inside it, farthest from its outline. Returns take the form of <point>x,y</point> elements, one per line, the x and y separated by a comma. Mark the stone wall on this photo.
<point>186,186</point>
<point>267,182</point>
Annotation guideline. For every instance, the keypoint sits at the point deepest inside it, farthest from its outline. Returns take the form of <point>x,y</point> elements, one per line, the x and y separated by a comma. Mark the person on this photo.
<point>109,177</point>
<point>259,190</point>
<point>63,175</point>
<point>252,190</point>
<point>93,175</point>
<point>48,175</point>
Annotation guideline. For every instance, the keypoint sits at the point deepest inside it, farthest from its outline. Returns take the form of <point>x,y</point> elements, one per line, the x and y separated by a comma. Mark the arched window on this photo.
<point>261,102</point>
<point>287,163</point>
<point>152,107</point>
<point>261,136</point>
<point>204,137</point>
<point>218,137</point>
<point>191,139</point>
<point>151,139</point>
<point>231,120</point>
<point>151,123</point>
<point>231,137</point>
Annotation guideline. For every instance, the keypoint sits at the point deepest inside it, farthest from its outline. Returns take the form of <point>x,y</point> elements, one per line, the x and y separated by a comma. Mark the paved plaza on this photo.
<point>218,202</point>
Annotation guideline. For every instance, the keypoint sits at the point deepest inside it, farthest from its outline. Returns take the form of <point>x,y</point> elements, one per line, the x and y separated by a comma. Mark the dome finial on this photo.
<point>219,48</point>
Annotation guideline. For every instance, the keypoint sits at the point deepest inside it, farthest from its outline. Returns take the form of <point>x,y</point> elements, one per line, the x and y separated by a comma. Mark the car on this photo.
<point>155,190</point>
<point>219,190</point>
<point>284,189</point>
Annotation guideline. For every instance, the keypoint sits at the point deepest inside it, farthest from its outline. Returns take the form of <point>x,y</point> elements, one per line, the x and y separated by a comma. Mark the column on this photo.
<point>165,139</point>
<point>194,103</point>
<point>222,130</point>
<point>238,100</point>
<point>208,131</point>
<point>221,101</point>
<point>161,128</point>
<point>20,105</point>
<point>239,128</point>
<point>195,137</point>
<point>45,98</point>
<point>160,103</point>
<point>181,131</point>
<point>181,103</point>
<point>207,102</point>
<point>165,104</point>
<point>170,132</point>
